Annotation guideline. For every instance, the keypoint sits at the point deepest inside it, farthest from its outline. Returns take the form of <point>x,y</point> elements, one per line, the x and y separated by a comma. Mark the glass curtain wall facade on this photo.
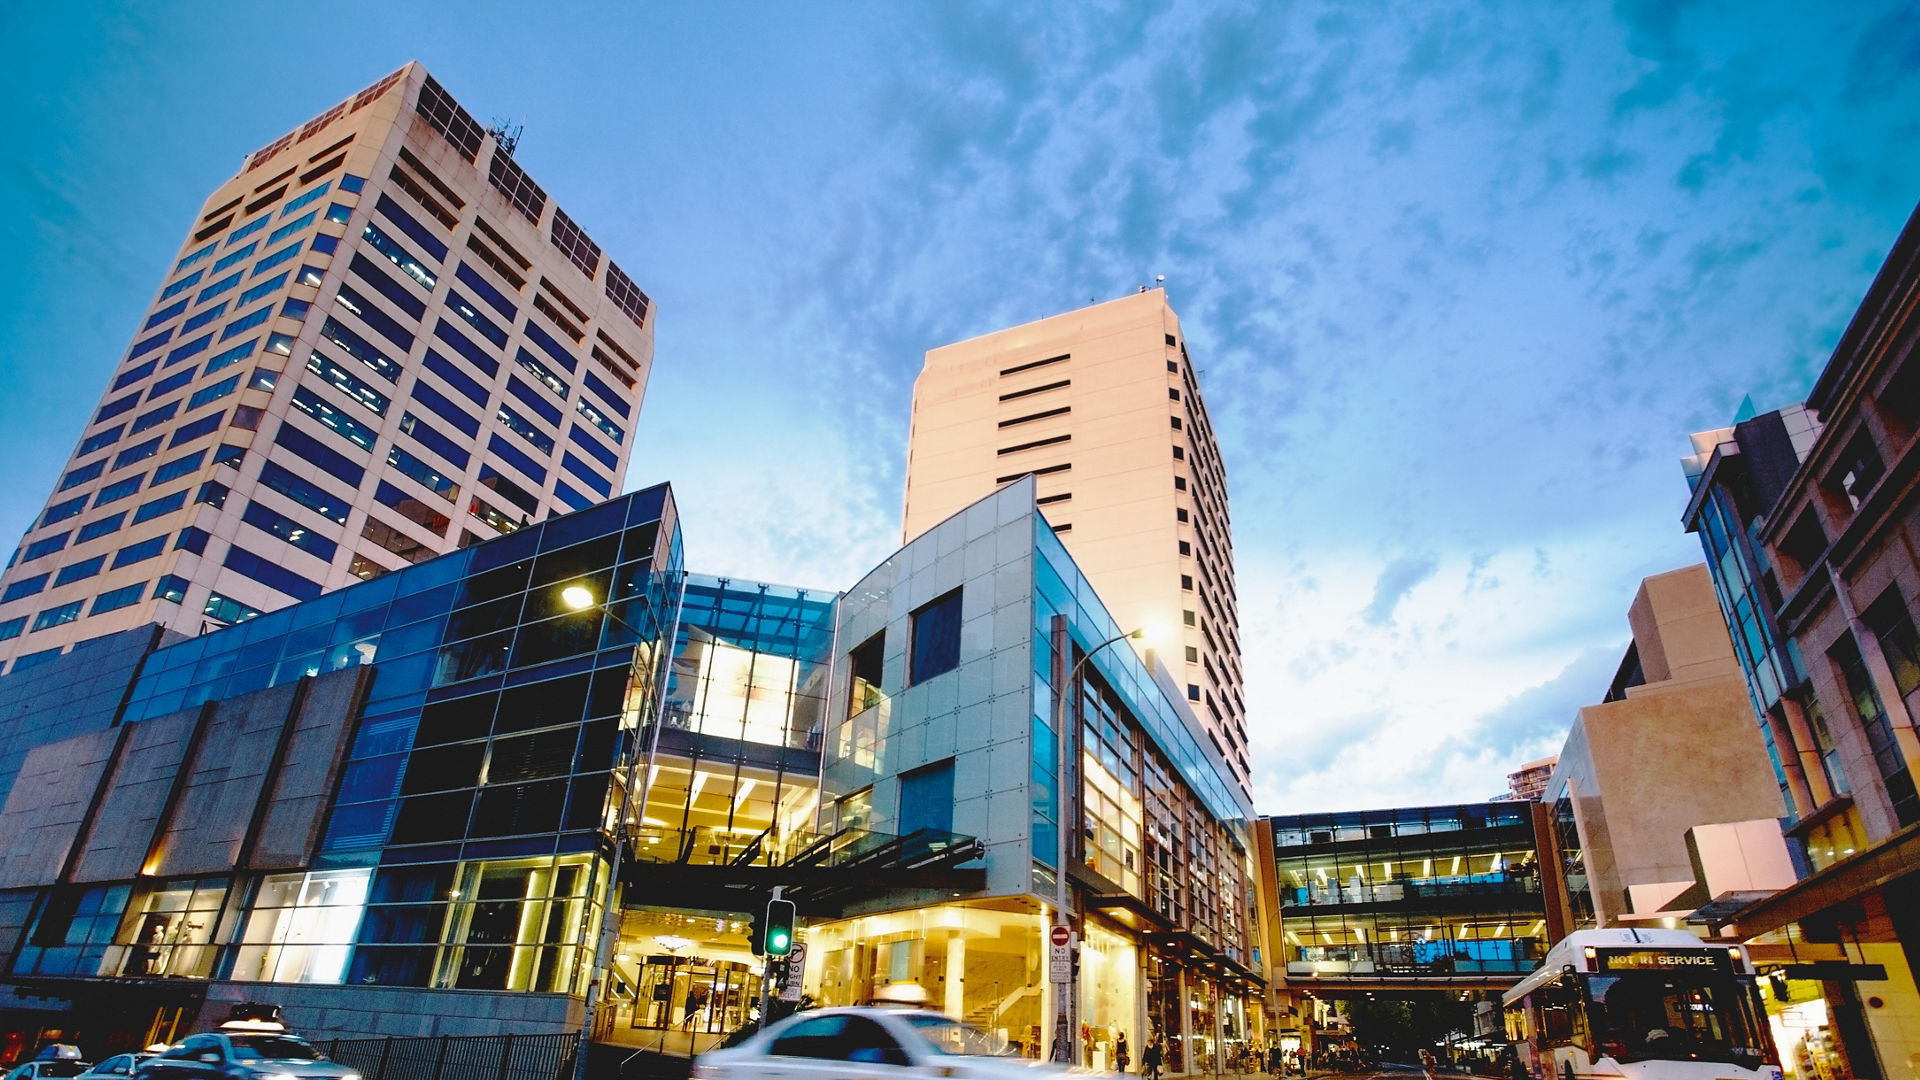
<point>468,837</point>
<point>1432,892</point>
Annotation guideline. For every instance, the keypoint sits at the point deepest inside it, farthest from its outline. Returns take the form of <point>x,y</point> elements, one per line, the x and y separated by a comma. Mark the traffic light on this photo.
<point>777,936</point>
<point>757,933</point>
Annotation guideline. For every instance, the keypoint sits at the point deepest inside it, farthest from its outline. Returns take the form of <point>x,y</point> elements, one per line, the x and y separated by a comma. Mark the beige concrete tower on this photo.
<point>379,341</point>
<point>1102,406</point>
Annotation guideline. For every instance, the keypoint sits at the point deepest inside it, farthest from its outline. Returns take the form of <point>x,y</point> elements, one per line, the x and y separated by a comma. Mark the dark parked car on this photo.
<point>248,1055</point>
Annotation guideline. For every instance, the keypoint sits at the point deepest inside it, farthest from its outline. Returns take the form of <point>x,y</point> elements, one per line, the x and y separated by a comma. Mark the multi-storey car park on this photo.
<point>381,341</point>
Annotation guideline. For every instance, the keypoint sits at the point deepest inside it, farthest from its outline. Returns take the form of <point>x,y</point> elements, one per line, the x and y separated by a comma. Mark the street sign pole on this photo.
<point>1061,934</point>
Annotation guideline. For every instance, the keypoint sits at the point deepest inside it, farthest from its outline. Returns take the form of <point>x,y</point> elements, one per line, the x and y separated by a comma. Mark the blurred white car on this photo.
<point>882,1043</point>
<point>120,1066</point>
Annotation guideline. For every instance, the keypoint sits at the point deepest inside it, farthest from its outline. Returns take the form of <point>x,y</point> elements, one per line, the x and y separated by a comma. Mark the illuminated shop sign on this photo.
<point>1716,960</point>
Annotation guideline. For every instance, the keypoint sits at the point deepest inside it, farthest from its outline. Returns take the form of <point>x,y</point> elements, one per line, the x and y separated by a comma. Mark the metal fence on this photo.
<point>457,1057</point>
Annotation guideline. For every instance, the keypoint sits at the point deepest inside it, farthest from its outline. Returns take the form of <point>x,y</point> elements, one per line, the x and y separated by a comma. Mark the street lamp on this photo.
<point>1067,688</point>
<point>580,598</point>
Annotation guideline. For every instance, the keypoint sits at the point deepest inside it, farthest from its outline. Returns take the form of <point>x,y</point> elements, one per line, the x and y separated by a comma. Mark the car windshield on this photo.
<point>274,1048</point>
<point>62,1068</point>
<point>954,1037</point>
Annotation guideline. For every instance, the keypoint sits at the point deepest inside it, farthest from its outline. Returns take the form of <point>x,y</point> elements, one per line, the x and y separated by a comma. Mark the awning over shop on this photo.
<point>1843,882</point>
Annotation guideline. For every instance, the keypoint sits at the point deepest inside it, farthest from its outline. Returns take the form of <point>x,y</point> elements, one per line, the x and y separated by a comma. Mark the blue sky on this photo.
<point>1459,279</point>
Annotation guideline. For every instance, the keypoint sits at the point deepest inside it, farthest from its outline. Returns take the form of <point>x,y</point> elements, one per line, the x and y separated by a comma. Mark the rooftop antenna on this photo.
<point>1160,281</point>
<point>506,133</point>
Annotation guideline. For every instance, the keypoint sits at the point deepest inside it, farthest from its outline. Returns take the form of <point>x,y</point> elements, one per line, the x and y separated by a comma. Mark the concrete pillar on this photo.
<point>955,1003</point>
<point>1810,782</point>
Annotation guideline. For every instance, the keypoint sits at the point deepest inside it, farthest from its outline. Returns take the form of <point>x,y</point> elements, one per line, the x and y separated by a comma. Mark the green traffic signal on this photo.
<point>779,927</point>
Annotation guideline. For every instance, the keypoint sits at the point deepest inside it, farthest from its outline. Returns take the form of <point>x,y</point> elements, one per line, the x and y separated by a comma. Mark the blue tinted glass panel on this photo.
<point>154,417</point>
<point>586,442</point>
<point>415,231</point>
<point>306,198</point>
<point>137,452</point>
<point>511,454</point>
<point>292,227</point>
<point>249,229</point>
<point>218,287</point>
<point>101,527</point>
<point>213,393</point>
<point>397,254</point>
<point>455,377</point>
<point>443,407</point>
<point>423,433</point>
<point>171,383</point>
<point>147,345</point>
<point>115,599</point>
<point>192,348</point>
<point>525,428</point>
<point>48,546</point>
<point>178,467</point>
<point>289,530</point>
<point>242,325</point>
<point>307,494</point>
<point>262,289</point>
<point>166,504</point>
<point>540,371</point>
<point>271,574</point>
<point>24,587</point>
<point>348,383</point>
<point>383,324</point>
<point>586,474</point>
<point>486,327</point>
<point>569,496</point>
<point>182,285</point>
<point>593,416</point>
<point>313,450</point>
<point>237,255</point>
<point>164,314</point>
<point>614,401</point>
<point>532,399</point>
<point>133,553</point>
<point>484,290</point>
<point>100,440</point>
<point>118,490</point>
<point>83,474</point>
<point>230,357</point>
<point>360,349</point>
<point>79,571</point>
<point>465,347</point>
<point>398,295</point>
<point>275,259</point>
<point>206,425</point>
<point>114,408</point>
<point>135,374</point>
<point>339,422</point>
<point>552,348</point>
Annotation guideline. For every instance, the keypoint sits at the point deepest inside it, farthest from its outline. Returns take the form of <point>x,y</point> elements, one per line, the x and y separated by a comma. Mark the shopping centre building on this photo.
<point>396,809</point>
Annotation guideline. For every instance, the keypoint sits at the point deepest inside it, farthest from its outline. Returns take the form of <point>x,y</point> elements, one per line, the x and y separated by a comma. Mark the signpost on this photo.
<point>796,972</point>
<point>1060,955</point>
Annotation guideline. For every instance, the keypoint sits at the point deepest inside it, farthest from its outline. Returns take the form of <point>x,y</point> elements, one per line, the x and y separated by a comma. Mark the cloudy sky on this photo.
<point>1460,279</point>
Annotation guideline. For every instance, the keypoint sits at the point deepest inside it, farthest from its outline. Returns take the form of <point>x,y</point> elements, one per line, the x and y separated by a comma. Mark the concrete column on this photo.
<point>955,1004</point>
<point>1875,659</point>
<point>1811,783</point>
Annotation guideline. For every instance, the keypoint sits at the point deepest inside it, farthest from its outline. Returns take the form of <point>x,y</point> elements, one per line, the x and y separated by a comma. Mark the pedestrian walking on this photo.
<point>1151,1061</point>
<point>1121,1058</point>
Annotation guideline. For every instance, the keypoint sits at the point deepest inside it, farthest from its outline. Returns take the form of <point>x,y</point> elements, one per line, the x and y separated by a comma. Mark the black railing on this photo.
<point>457,1057</point>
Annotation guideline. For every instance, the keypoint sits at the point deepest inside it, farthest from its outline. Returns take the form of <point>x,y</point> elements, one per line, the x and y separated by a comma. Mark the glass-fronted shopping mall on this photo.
<point>406,807</point>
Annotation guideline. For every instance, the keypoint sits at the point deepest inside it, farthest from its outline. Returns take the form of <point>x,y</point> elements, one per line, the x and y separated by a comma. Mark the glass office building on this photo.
<point>1444,894</point>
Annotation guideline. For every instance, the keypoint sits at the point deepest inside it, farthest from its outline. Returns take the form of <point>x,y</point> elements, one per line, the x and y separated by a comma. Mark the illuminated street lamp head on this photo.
<point>577,597</point>
<point>1152,633</point>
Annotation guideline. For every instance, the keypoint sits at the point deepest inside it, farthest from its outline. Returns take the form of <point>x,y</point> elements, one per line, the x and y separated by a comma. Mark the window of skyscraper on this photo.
<point>935,645</point>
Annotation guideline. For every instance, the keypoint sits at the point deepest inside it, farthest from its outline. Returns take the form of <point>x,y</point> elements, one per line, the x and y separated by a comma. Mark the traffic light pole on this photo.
<point>1062,1052</point>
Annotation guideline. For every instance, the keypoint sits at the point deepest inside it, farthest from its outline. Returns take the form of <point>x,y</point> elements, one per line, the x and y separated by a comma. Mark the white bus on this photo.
<point>1641,1005</point>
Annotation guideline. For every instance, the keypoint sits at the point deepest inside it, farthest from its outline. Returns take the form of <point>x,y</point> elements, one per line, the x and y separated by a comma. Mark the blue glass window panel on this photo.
<point>171,383</point>
<point>443,407</point>
<point>275,259</point>
<point>65,613</point>
<point>171,587</point>
<point>397,254</point>
<point>292,227</point>
<point>233,257</point>
<point>934,648</point>
<point>461,344</point>
<point>542,372</point>
<point>525,428</point>
<point>486,327</point>
<point>115,599</point>
<point>83,474</point>
<point>415,231</point>
<point>145,549</point>
<point>118,490</point>
<point>422,473</point>
<point>593,416</point>
<point>193,539</point>
<point>141,348</point>
<point>206,425</point>
<point>182,285</point>
<point>358,389</point>
<point>926,799</point>
<point>614,401</point>
<point>262,289</point>
<point>230,357</point>
<point>289,530</point>
<point>47,546</point>
<point>114,408</point>
<point>137,452</point>
<point>195,257</point>
<point>271,574</point>
<point>409,506</point>
<point>164,314</point>
<point>63,510</point>
<point>12,628</point>
<point>230,455</point>
<point>455,378</point>
<point>552,348</point>
<point>338,213</point>
<point>102,526</point>
<point>586,474</point>
<point>218,287</point>
<point>203,318</point>
<point>350,182</point>
<point>340,423</point>
<point>532,399</point>
<point>382,323</point>
<point>165,504</point>
<point>306,493</point>
<point>154,417</point>
<point>280,343</point>
<point>135,374</point>
<point>326,245</point>
<point>100,440</point>
<point>305,198</point>
<point>79,571</point>
<point>192,348</point>
<point>242,325</point>
<point>512,455</point>
<point>569,496</point>
<point>213,393</point>
<point>178,467</point>
<point>249,229</point>
<point>423,433</point>
<point>586,442</point>
<point>313,450</point>
<point>485,290</point>
<point>295,308</point>
<point>500,483</point>
<point>360,349</point>
<point>214,493</point>
<point>399,295</point>
<point>24,587</point>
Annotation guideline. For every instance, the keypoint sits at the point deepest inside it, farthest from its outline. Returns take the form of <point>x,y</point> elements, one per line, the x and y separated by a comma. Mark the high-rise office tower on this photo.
<point>1102,406</point>
<point>380,341</point>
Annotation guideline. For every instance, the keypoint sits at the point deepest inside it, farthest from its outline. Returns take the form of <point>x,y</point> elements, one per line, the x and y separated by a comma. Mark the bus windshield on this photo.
<point>1668,1017</point>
